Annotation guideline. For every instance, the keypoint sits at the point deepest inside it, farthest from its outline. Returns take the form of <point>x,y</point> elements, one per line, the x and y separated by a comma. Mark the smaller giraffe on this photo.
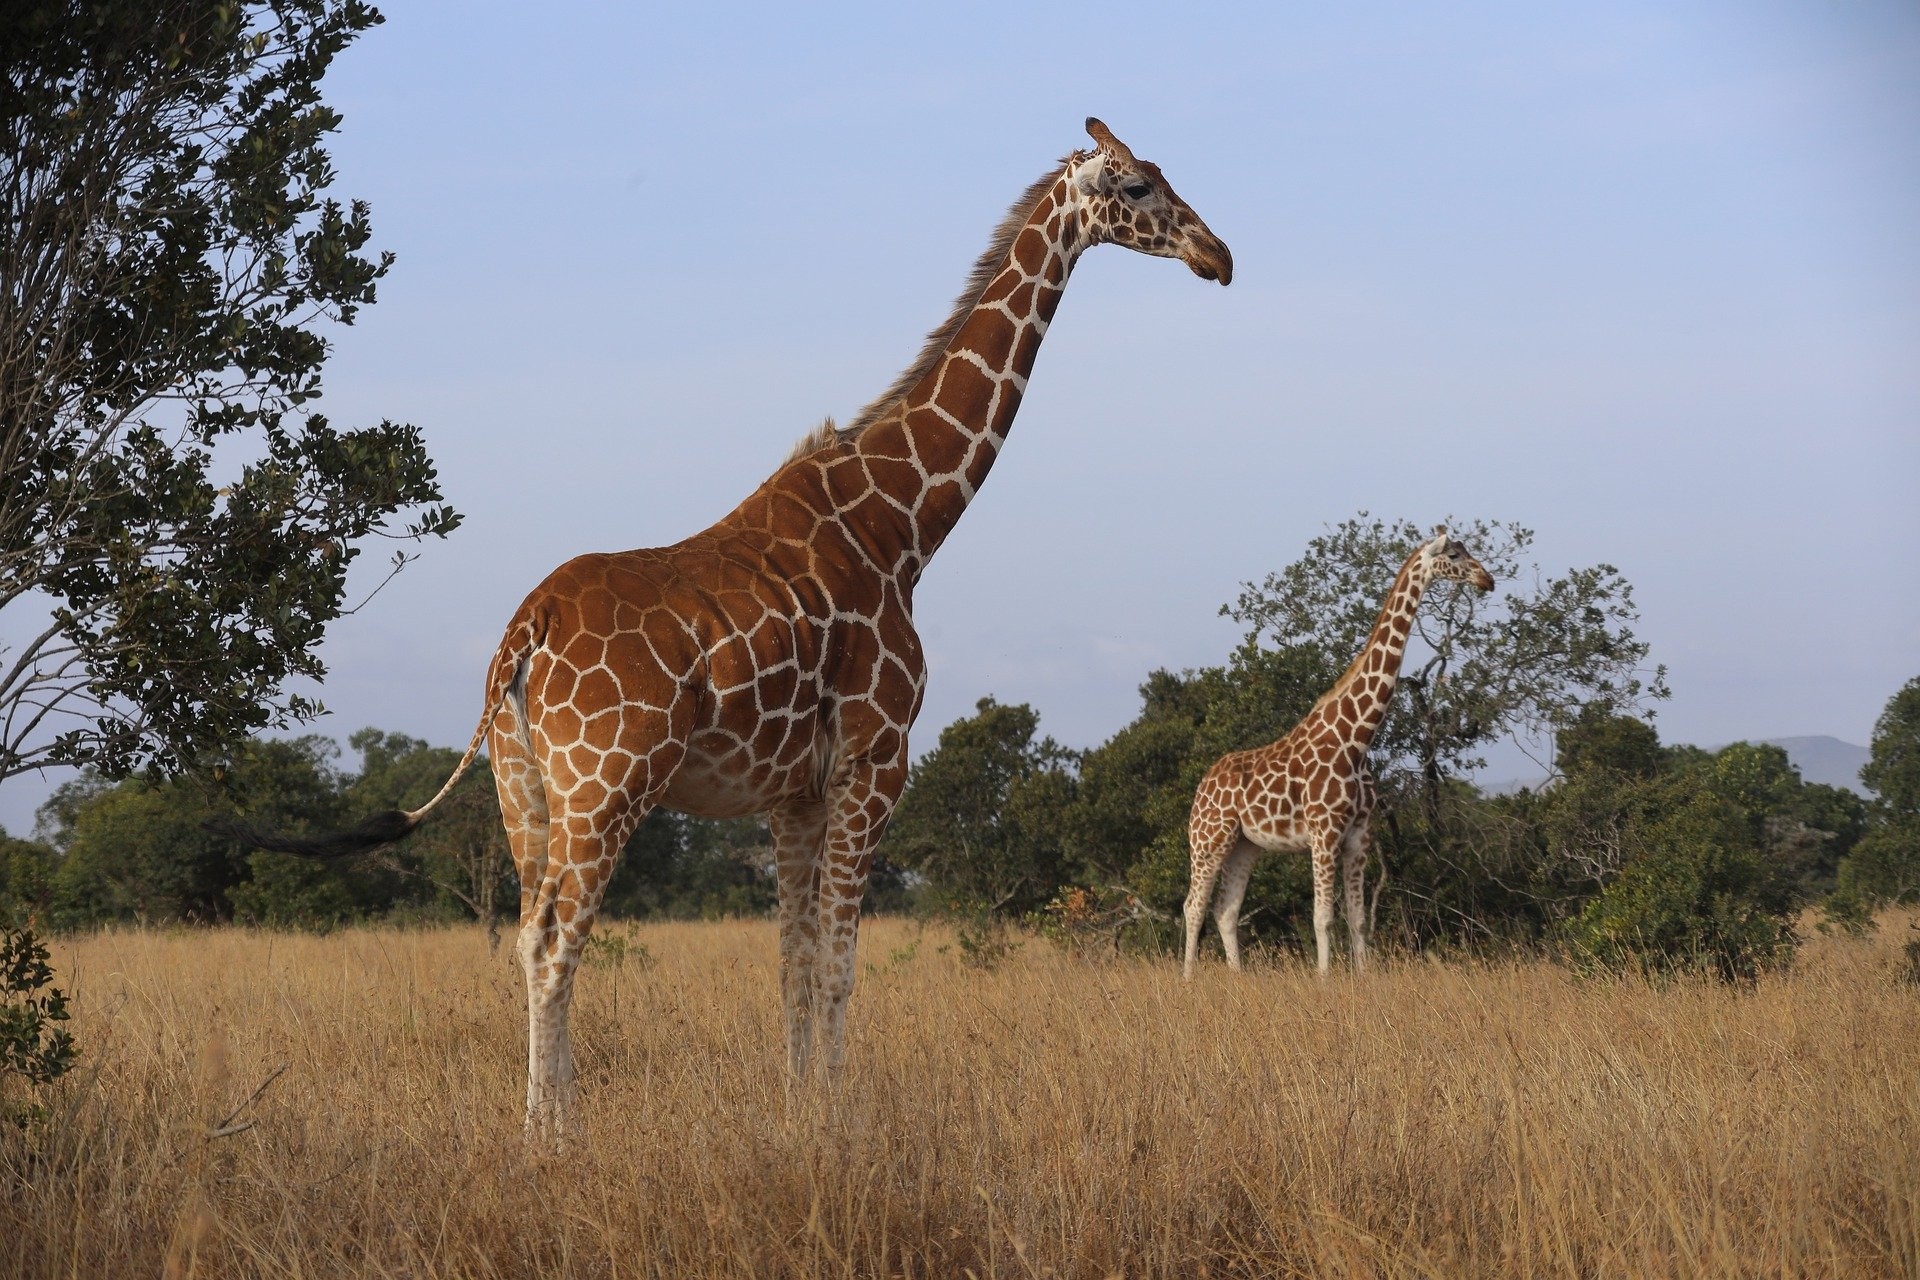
<point>1311,791</point>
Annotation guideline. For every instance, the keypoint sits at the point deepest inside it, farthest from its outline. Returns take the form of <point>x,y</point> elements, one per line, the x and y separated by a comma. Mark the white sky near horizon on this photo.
<point>1643,277</point>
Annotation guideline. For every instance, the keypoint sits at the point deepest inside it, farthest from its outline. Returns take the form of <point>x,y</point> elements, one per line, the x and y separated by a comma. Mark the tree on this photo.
<point>138,849</point>
<point>461,858</point>
<point>1526,659</point>
<point>981,816</point>
<point>1884,866</point>
<point>679,868</point>
<point>175,525</point>
<point>26,879</point>
<point>1892,770</point>
<point>1599,738</point>
<point>1696,893</point>
<point>1805,828</point>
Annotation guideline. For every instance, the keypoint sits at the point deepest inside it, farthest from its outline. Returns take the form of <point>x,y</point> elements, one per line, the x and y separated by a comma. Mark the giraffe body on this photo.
<point>1311,792</point>
<point>769,664</point>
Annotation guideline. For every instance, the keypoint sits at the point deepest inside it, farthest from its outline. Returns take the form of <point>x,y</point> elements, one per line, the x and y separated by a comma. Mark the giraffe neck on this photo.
<point>1371,677</point>
<point>929,443</point>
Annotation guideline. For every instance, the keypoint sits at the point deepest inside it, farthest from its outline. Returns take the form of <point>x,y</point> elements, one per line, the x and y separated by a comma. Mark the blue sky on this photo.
<point>1643,277</point>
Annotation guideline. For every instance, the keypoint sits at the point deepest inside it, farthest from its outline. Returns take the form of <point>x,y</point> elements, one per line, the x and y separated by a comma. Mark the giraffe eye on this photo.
<point>1136,190</point>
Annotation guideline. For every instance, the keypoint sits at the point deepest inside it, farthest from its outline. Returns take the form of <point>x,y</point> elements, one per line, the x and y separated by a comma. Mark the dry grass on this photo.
<point>1053,1117</point>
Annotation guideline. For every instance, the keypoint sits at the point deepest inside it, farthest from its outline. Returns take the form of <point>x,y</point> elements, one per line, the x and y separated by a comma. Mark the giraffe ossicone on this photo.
<point>769,664</point>
<point>1311,792</point>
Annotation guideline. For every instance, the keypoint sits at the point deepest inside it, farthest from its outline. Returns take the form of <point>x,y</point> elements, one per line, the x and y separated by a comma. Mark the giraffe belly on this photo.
<point>1276,837</point>
<point>719,778</point>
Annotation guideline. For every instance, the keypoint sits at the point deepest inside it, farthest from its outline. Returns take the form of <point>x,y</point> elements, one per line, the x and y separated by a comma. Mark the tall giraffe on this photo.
<point>769,664</point>
<point>1311,791</point>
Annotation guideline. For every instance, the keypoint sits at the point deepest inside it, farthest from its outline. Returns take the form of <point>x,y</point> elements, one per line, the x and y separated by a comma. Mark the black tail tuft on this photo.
<point>380,829</point>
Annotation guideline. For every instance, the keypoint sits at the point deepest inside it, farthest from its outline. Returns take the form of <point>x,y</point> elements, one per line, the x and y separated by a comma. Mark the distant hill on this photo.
<point>1819,757</point>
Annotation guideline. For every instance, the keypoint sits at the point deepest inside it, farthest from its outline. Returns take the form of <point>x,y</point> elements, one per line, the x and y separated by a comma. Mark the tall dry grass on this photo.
<point>1053,1117</point>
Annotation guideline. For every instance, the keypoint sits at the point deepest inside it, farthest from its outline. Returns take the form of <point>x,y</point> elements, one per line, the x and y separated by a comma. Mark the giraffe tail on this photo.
<point>504,678</point>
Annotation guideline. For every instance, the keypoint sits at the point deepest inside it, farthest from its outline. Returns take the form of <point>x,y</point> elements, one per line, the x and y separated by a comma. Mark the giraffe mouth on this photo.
<point>1211,260</point>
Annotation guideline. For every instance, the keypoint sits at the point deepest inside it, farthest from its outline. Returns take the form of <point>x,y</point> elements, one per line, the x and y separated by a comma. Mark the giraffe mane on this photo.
<point>984,271</point>
<point>815,440</point>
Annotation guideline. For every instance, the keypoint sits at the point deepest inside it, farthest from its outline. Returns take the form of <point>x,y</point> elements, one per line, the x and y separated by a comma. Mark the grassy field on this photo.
<point>1055,1116</point>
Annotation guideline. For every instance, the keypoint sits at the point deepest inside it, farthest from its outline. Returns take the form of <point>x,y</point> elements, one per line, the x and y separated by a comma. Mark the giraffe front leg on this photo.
<point>1324,847</point>
<point>1356,875</point>
<point>799,837</point>
<point>858,811</point>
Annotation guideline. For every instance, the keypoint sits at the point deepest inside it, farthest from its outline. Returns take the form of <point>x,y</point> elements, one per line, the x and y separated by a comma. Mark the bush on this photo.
<point>26,879</point>
<point>30,1047</point>
<point>1884,868</point>
<point>1696,896</point>
<point>288,892</point>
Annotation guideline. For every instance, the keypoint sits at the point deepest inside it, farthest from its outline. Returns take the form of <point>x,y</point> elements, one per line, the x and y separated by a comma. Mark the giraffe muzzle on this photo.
<point>1211,260</point>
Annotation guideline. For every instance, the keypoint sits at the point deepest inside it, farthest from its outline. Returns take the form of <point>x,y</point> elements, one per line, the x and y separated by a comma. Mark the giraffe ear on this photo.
<point>1108,143</point>
<point>1439,531</point>
<point>1093,174</point>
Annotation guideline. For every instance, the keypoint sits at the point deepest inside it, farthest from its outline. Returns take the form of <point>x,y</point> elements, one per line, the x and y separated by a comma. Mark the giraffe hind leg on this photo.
<point>523,799</point>
<point>1209,840</point>
<point>587,827</point>
<point>1234,874</point>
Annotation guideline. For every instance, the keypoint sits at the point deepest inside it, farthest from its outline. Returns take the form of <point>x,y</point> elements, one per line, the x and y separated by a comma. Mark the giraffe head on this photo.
<point>1448,559</point>
<point>1129,203</point>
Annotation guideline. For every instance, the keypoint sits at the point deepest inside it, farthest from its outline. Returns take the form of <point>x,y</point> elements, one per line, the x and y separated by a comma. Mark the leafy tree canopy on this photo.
<point>176,525</point>
<point>1892,770</point>
<point>1884,867</point>
<point>982,811</point>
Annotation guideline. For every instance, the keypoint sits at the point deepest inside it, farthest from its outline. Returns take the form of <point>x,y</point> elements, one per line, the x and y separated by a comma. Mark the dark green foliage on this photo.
<point>1893,770</point>
<point>455,864</point>
<point>1805,828</point>
<point>1600,740</point>
<point>982,817</point>
<point>680,868</point>
<point>176,526</point>
<point>1884,866</point>
<point>1695,894</point>
<point>138,850</point>
<point>32,1049</point>
<point>282,891</point>
<point>26,879</point>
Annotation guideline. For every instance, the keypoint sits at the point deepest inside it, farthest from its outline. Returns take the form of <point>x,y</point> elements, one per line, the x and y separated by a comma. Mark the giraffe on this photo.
<point>1311,791</point>
<point>769,664</point>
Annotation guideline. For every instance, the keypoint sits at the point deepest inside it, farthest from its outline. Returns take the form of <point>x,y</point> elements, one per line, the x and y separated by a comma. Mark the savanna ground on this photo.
<point>1053,1116</point>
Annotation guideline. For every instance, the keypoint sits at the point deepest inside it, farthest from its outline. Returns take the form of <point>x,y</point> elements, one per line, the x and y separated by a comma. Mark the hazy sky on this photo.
<point>1644,277</point>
